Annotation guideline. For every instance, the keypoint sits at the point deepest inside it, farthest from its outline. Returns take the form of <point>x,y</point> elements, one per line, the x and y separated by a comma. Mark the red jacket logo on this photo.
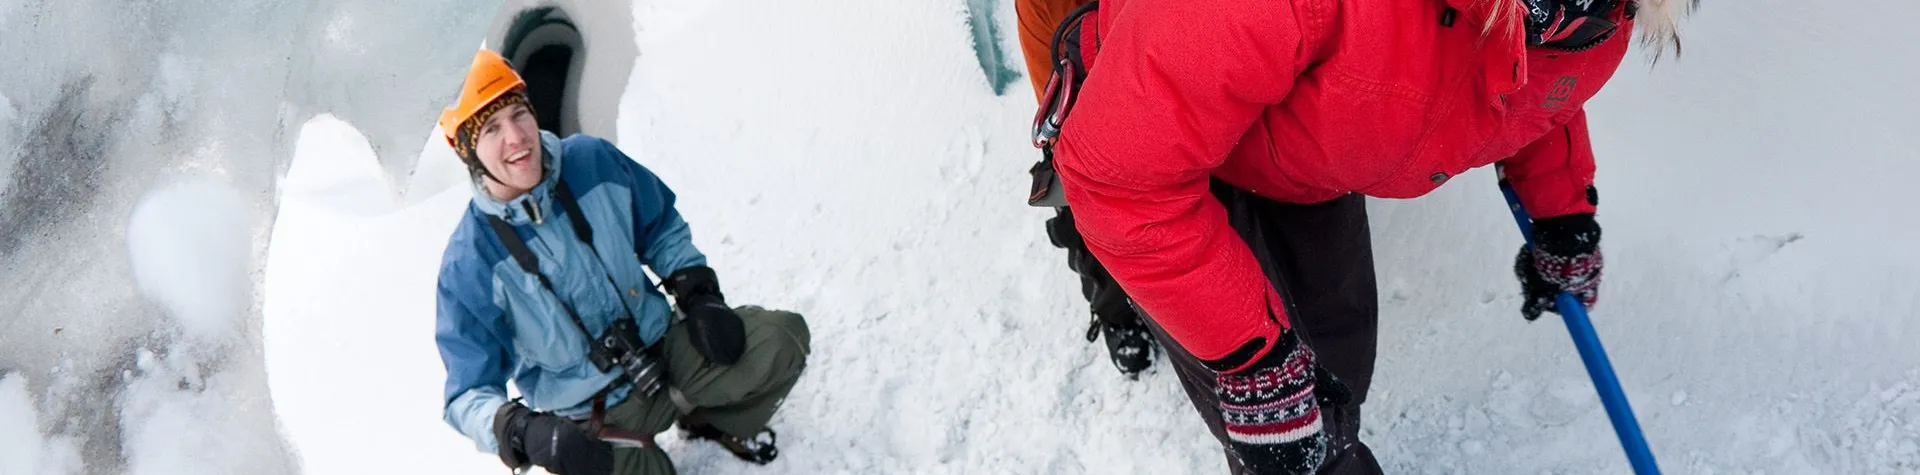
<point>1562,90</point>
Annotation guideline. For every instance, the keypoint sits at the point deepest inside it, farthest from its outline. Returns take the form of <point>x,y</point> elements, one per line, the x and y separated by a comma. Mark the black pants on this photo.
<point>1320,256</point>
<point>1104,296</point>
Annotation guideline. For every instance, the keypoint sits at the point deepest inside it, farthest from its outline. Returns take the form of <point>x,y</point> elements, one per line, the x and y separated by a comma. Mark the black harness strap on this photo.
<point>1071,22</point>
<point>574,216</point>
<point>530,263</point>
<point>571,206</point>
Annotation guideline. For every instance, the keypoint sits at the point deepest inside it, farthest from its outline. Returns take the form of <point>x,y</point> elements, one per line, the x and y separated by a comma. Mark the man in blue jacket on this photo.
<point>543,285</point>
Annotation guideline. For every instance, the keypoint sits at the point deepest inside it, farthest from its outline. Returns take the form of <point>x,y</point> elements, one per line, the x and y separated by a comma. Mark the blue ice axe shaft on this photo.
<point>1594,356</point>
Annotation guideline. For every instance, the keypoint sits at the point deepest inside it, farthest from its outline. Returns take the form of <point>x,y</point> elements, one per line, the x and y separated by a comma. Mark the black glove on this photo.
<point>715,329</point>
<point>1271,408</point>
<point>549,441</point>
<point>1565,256</point>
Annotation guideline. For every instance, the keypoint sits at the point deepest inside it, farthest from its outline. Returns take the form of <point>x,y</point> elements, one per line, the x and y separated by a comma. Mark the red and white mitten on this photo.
<point>1271,409</point>
<point>1565,257</point>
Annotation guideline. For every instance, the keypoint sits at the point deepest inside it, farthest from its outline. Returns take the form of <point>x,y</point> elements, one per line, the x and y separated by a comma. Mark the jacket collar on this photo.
<point>1503,61</point>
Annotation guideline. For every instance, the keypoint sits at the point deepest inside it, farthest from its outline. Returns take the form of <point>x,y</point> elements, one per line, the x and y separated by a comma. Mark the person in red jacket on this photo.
<point>1217,155</point>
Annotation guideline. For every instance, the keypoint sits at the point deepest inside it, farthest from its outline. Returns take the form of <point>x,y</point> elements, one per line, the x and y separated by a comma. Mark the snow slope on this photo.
<point>859,170</point>
<point>884,202</point>
<point>349,289</point>
<point>27,450</point>
<point>1758,303</point>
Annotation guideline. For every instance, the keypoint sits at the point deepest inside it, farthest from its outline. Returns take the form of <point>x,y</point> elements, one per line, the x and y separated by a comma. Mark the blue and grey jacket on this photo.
<point>498,323</point>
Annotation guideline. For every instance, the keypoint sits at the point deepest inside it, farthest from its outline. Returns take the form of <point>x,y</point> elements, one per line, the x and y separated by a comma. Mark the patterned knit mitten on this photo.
<point>1272,412</point>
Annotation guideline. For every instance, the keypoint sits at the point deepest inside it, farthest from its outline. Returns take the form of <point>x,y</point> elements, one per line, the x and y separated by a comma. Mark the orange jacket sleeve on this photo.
<point>1038,19</point>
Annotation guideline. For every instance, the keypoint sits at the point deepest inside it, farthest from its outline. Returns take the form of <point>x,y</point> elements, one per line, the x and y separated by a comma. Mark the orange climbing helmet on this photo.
<point>489,78</point>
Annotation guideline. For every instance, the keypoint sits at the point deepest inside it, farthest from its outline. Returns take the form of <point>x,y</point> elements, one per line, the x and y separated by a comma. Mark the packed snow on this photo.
<point>22,449</point>
<point>1758,302</point>
<point>189,248</point>
<point>349,287</point>
<point>136,334</point>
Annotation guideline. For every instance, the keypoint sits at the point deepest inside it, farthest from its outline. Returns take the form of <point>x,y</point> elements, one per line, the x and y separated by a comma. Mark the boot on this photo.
<point>759,450</point>
<point>1128,344</point>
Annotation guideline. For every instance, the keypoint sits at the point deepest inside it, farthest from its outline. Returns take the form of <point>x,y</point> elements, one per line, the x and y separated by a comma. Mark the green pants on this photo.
<point>737,399</point>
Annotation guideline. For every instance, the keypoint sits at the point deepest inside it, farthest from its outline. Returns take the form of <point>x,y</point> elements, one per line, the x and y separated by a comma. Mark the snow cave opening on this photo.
<point>546,48</point>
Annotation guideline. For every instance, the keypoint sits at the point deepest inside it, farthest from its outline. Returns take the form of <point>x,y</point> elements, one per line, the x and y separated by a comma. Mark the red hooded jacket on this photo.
<point>1302,101</point>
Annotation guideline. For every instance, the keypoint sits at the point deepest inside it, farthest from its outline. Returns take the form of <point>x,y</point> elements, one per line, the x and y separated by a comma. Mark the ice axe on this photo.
<point>1593,355</point>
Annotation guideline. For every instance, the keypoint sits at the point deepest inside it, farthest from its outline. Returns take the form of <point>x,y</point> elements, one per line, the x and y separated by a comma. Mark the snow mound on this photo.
<point>175,420</point>
<point>22,449</point>
<point>349,312</point>
<point>333,159</point>
<point>188,243</point>
<point>437,171</point>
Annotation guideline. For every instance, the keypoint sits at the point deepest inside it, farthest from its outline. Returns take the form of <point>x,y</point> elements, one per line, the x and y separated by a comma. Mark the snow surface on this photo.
<point>179,409</point>
<point>349,287</point>
<point>181,419</point>
<point>189,248</point>
<point>22,449</point>
<point>1758,302</point>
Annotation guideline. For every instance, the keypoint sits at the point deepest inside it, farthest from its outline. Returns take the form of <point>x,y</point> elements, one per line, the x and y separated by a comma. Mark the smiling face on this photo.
<point>508,145</point>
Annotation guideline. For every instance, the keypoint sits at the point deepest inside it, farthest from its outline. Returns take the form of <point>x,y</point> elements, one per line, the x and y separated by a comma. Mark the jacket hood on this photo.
<point>1658,22</point>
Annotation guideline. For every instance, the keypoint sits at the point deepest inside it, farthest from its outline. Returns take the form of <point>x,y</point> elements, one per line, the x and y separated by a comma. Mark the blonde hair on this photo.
<point>1499,17</point>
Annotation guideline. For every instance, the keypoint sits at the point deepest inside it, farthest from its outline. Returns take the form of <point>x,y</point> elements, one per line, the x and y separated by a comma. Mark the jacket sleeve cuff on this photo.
<point>472,413</point>
<point>670,249</point>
